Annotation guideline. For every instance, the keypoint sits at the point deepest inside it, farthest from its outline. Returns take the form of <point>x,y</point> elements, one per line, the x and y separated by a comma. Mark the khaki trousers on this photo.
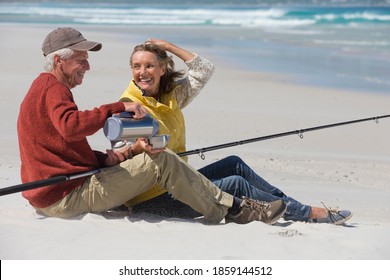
<point>116,185</point>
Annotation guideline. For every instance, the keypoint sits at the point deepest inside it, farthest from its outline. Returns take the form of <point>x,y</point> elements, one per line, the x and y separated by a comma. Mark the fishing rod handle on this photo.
<point>33,185</point>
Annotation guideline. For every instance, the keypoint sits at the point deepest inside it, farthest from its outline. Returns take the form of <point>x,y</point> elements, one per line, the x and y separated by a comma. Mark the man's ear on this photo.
<point>57,60</point>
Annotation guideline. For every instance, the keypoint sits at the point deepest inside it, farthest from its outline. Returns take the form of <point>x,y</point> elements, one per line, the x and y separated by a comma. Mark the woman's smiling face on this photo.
<point>147,72</point>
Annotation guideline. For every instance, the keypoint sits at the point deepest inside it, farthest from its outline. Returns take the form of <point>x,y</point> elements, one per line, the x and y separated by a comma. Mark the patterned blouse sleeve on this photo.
<point>199,72</point>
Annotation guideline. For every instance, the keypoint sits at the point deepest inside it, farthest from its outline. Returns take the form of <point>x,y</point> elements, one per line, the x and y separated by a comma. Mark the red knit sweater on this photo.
<point>52,138</point>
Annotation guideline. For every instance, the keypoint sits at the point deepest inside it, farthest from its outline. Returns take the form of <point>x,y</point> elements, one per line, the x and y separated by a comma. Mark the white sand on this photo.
<point>346,166</point>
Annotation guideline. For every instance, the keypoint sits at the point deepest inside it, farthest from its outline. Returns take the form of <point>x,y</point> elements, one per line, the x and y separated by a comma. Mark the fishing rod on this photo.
<point>300,132</point>
<point>201,151</point>
<point>45,182</point>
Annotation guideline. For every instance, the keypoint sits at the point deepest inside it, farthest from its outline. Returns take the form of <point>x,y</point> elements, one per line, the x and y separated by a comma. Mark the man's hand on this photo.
<point>138,110</point>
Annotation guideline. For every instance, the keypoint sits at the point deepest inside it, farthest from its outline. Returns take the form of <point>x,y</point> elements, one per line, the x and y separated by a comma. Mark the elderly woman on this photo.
<point>164,92</point>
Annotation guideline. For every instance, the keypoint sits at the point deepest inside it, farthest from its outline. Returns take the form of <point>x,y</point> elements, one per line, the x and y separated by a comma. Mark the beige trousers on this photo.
<point>116,185</point>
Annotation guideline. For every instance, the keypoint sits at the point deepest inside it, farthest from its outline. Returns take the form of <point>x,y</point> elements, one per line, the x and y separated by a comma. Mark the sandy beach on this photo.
<point>347,166</point>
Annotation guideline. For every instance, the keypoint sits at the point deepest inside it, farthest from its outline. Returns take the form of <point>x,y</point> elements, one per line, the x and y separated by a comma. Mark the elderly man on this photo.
<point>56,144</point>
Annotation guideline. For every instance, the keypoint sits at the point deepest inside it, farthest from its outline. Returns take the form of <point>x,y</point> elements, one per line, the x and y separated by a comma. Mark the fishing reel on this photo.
<point>123,128</point>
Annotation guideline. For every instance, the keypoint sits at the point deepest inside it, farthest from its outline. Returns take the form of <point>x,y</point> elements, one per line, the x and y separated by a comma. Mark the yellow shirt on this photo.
<point>171,121</point>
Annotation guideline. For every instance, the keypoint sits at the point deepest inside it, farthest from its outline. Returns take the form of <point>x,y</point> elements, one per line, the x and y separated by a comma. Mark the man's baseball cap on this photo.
<point>67,37</point>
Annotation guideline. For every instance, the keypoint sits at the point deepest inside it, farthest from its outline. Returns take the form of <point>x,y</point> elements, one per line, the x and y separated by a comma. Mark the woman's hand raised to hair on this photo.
<point>176,50</point>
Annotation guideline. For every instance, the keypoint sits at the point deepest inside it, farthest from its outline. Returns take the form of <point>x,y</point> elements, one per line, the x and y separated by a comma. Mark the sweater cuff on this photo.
<point>189,62</point>
<point>117,107</point>
<point>101,157</point>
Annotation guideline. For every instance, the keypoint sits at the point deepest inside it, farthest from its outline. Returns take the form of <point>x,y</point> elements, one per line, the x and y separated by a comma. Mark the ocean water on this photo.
<point>343,46</point>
